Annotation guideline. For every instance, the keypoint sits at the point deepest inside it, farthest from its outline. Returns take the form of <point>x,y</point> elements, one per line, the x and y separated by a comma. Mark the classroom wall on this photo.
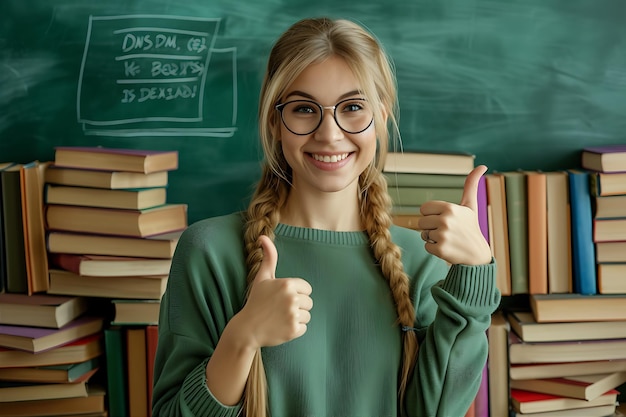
<point>521,84</point>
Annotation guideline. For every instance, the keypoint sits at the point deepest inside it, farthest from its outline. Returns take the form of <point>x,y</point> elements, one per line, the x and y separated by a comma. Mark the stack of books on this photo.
<point>607,167</point>
<point>112,235</point>
<point>111,232</point>
<point>50,355</point>
<point>414,178</point>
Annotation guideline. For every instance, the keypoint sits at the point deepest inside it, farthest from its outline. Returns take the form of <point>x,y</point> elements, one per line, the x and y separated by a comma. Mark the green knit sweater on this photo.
<point>348,361</point>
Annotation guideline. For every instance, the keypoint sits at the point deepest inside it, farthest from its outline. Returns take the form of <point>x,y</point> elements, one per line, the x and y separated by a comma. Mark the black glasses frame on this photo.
<point>280,107</point>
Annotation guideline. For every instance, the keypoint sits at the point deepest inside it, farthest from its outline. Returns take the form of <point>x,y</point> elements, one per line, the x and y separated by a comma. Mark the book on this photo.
<point>612,278</point>
<point>112,180</point>
<point>598,411</point>
<point>26,391</point>
<point>61,374</point>
<point>31,182</point>
<point>41,310</point>
<point>583,250</point>
<point>80,350</point>
<point>537,210</point>
<point>115,342</point>
<point>412,179</point>
<point>534,402</point>
<point>144,287</point>
<point>564,369</point>
<point>3,269</point>
<point>610,252</point>
<point>152,340</point>
<point>137,376</point>
<point>499,230</point>
<point>130,199</point>
<point>529,330</point>
<point>416,196</point>
<point>15,255</point>
<point>110,266</point>
<point>117,222</point>
<point>608,158</point>
<point>559,250</point>
<point>156,246</point>
<point>86,406</point>
<point>517,218</point>
<point>135,312</point>
<point>609,230</point>
<point>115,159</point>
<point>584,387</point>
<point>567,351</point>
<point>605,184</point>
<point>498,336</point>
<point>428,162</point>
<point>577,307</point>
<point>609,206</point>
<point>39,339</point>
<point>483,210</point>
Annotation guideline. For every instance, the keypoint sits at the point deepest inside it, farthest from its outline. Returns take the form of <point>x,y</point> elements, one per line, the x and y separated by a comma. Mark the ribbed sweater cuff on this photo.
<point>200,400</point>
<point>473,285</point>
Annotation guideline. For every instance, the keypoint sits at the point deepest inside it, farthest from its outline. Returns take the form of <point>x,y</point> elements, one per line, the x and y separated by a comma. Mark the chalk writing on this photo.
<point>139,71</point>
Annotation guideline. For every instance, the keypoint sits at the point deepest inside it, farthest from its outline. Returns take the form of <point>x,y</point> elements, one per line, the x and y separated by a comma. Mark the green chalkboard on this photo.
<point>521,84</point>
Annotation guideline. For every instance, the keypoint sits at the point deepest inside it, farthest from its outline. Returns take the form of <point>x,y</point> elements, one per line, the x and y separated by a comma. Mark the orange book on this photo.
<point>137,376</point>
<point>537,233</point>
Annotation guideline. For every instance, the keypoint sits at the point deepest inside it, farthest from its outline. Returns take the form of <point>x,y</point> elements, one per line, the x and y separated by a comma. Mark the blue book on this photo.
<point>583,248</point>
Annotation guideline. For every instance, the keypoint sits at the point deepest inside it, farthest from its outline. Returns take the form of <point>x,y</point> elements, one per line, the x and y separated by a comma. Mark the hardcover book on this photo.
<point>577,307</point>
<point>40,310</point>
<point>583,251</point>
<point>39,339</point>
<point>427,162</point>
<point>80,350</point>
<point>115,159</point>
<point>584,387</point>
<point>534,402</point>
<point>130,199</point>
<point>110,266</point>
<point>609,158</point>
<point>112,180</point>
<point>523,323</point>
<point>117,222</point>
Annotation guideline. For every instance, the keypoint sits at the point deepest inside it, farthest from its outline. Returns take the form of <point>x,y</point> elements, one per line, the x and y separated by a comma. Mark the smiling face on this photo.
<point>329,159</point>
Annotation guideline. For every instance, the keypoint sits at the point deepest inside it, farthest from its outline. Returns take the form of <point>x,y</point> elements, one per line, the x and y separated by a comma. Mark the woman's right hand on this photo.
<point>277,310</point>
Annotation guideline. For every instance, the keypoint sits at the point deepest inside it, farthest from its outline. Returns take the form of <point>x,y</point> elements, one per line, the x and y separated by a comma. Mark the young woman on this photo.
<point>312,303</point>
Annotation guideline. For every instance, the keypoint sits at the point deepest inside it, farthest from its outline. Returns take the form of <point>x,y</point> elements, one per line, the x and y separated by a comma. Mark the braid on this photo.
<point>376,205</point>
<point>262,218</point>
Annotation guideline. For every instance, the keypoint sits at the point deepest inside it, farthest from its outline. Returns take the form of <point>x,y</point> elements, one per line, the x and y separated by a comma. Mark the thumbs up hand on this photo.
<point>277,310</point>
<point>451,231</point>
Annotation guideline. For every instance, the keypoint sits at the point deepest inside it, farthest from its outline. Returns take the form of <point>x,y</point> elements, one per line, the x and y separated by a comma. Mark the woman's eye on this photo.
<point>351,107</point>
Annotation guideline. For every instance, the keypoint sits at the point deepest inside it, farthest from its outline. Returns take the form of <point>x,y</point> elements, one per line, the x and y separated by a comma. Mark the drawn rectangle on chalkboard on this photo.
<point>156,75</point>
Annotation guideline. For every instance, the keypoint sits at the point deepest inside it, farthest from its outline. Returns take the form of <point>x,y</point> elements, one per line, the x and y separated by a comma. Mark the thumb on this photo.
<point>470,189</point>
<point>270,259</point>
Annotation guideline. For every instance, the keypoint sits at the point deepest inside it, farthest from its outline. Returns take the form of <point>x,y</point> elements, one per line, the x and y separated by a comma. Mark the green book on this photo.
<point>115,347</point>
<point>3,269</point>
<point>17,279</point>
<point>517,213</point>
<point>406,179</point>
<point>416,196</point>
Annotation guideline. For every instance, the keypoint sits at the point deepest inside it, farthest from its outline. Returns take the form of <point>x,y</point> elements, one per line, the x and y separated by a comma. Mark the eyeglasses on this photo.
<point>303,117</point>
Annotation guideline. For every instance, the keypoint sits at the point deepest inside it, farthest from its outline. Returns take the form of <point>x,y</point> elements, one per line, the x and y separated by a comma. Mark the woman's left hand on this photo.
<point>451,231</point>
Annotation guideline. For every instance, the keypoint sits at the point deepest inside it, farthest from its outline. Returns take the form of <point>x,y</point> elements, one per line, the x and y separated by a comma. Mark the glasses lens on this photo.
<point>353,115</point>
<point>302,117</point>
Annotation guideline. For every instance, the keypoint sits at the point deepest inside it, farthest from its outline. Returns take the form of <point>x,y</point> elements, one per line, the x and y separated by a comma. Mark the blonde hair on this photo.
<point>306,42</point>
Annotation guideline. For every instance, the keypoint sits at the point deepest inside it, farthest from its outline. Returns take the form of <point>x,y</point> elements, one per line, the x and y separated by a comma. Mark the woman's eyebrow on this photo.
<point>310,97</point>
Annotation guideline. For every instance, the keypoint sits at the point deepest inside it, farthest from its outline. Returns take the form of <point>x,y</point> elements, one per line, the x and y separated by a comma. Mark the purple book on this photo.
<point>483,221</point>
<point>38,339</point>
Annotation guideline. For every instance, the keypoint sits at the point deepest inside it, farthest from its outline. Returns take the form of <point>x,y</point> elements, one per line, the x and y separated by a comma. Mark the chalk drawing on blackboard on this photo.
<point>156,75</point>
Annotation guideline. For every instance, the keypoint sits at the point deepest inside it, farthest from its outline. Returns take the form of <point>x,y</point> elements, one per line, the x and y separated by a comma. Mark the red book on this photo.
<point>534,402</point>
<point>152,339</point>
